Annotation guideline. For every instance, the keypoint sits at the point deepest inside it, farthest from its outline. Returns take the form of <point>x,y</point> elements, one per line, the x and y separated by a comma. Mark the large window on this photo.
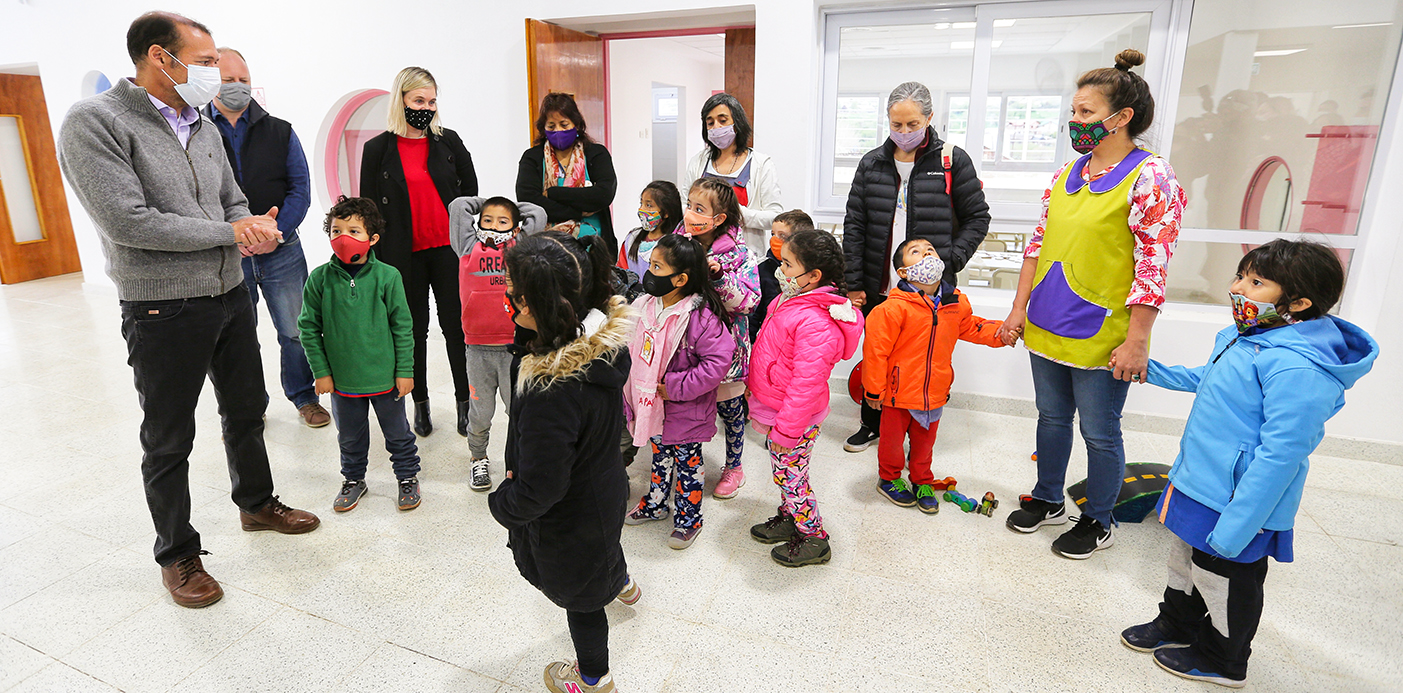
<point>1269,118</point>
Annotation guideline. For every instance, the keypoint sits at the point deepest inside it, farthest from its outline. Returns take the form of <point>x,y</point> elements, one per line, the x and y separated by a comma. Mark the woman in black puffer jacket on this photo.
<point>902,190</point>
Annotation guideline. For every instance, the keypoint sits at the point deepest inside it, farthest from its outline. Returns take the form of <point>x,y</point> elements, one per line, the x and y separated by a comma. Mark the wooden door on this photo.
<point>36,235</point>
<point>740,69</point>
<point>564,60</point>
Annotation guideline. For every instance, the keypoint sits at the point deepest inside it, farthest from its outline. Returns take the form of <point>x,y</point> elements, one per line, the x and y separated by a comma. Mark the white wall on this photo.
<point>634,65</point>
<point>307,56</point>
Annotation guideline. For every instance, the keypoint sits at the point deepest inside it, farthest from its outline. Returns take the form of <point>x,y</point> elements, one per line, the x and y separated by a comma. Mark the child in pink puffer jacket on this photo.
<point>808,330</point>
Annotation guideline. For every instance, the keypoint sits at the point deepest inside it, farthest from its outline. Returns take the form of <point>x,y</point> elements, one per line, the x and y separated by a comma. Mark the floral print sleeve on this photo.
<point>1035,244</point>
<point>1156,209</point>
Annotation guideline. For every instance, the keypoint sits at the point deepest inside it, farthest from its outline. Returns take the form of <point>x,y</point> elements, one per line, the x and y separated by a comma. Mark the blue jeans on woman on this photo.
<point>1098,397</point>
<point>280,276</point>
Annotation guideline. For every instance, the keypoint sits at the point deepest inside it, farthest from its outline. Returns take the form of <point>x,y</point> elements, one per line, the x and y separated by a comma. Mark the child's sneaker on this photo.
<point>1185,662</point>
<point>861,440</point>
<point>409,498</point>
<point>1148,637</point>
<point>682,538</point>
<point>482,480</point>
<point>731,480</point>
<point>897,492</point>
<point>638,516</point>
<point>774,530</point>
<point>631,592</point>
<point>564,677</point>
<point>1086,538</point>
<point>801,550</point>
<point>1033,513</point>
<point>926,499</point>
<point>351,491</point>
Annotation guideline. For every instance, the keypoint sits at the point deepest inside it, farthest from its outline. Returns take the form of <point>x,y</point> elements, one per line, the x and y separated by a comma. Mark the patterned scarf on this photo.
<point>573,172</point>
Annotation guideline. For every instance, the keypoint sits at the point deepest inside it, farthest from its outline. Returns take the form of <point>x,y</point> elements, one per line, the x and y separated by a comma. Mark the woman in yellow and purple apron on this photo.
<point>1092,282</point>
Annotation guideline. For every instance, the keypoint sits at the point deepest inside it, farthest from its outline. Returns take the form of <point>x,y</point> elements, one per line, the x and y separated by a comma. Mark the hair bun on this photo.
<point>1129,58</point>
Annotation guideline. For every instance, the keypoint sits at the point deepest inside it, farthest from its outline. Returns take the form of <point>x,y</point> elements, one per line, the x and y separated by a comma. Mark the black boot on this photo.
<point>463,419</point>
<point>423,425</point>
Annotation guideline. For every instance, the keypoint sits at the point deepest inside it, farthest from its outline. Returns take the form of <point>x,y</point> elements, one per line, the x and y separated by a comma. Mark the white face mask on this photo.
<point>201,83</point>
<point>928,270</point>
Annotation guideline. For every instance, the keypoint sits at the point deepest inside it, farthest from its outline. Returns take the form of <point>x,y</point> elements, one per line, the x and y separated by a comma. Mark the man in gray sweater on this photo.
<point>153,176</point>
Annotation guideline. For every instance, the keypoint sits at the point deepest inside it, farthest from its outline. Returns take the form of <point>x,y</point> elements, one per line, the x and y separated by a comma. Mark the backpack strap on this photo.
<point>947,156</point>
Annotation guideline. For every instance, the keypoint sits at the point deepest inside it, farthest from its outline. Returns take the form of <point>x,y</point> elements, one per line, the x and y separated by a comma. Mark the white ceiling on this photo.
<point>712,44</point>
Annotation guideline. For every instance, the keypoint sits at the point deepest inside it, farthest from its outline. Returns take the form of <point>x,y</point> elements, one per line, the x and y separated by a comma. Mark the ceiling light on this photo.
<point>1001,23</point>
<point>963,25</point>
<point>1360,26</point>
<point>967,45</point>
<point>942,26</point>
<point>1273,53</point>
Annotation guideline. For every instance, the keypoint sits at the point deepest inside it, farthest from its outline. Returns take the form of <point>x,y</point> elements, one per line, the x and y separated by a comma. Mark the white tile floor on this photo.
<point>430,600</point>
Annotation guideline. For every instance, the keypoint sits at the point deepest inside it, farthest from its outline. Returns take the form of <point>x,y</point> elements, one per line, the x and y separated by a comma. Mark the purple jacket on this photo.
<point>696,370</point>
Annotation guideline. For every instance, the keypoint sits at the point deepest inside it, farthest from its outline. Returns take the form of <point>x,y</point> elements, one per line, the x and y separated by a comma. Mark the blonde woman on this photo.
<point>413,171</point>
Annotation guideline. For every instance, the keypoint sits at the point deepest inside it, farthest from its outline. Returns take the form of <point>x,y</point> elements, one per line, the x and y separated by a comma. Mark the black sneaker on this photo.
<point>774,530</point>
<point>1033,513</point>
<point>1086,538</point>
<point>409,497</point>
<point>1185,662</point>
<point>481,480</point>
<point>351,491</point>
<point>861,440</point>
<point>1148,637</point>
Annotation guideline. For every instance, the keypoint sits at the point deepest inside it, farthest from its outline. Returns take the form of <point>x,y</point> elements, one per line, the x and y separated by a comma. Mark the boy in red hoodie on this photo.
<point>906,369</point>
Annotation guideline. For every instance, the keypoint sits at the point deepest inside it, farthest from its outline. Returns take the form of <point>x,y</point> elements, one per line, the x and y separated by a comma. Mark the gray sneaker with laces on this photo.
<point>351,491</point>
<point>482,480</point>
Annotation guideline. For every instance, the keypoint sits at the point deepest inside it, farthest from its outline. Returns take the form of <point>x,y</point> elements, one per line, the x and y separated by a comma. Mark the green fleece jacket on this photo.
<point>357,329</point>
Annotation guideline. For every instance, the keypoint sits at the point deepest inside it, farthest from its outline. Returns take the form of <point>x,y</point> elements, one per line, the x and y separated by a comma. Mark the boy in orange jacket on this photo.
<point>906,370</point>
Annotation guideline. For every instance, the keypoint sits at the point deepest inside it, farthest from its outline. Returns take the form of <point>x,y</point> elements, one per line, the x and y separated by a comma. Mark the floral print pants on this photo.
<point>677,470</point>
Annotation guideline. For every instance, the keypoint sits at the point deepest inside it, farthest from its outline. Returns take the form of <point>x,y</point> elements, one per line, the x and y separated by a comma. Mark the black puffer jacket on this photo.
<point>565,503</point>
<point>872,204</point>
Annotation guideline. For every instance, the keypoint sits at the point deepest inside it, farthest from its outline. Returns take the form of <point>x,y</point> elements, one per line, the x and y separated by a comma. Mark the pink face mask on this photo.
<point>697,224</point>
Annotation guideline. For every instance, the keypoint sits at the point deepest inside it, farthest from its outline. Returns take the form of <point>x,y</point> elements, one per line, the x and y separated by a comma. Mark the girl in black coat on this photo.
<point>413,171</point>
<point>566,492</point>
<point>568,174</point>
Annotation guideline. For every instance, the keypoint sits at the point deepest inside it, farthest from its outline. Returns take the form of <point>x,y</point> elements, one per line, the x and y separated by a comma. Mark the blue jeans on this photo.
<point>1062,391</point>
<point>280,276</point>
<point>352,416</point>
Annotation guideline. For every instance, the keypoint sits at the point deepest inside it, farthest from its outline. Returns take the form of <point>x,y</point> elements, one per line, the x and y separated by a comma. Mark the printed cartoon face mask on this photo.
<point>789,286</point>
<point>1248,314</point>
<point>649,220</point>
<point>927,271</point>
<point>697,224</point>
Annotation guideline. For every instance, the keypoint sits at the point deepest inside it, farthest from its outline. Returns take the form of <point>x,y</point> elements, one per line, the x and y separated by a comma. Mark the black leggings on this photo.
<point>872,418</point>
<point>589,630</point>
<point>437,268</point>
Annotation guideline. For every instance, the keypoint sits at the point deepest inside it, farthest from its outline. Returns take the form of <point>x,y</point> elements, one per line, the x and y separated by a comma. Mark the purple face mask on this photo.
<point>562,139</point>
<point>908,141</point>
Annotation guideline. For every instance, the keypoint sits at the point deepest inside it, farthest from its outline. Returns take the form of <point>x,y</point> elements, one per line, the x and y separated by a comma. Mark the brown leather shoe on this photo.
<point>314,415</point>
<point>190,586</point>
<point>279,518</point>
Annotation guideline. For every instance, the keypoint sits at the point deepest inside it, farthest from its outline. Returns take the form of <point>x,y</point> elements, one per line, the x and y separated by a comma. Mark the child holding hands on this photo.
<point>1260,407</point>
<point>906,369</point>
<point>357,332</point>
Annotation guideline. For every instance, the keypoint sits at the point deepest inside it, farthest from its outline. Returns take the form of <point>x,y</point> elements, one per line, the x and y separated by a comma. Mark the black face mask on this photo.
<point>656,285</point>
<point>418,119</point>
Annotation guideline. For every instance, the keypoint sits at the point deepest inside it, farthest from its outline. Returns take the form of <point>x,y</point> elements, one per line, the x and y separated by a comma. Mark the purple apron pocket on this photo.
<point>1056,307</point>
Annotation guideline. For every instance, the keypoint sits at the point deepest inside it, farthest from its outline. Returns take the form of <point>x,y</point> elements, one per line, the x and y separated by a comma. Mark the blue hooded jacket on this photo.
<point>1261,406</point>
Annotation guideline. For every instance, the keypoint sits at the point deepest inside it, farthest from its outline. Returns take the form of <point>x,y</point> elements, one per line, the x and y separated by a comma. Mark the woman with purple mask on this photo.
<point>726,154</point>
<point>914,185</point>
<point>568,174</point>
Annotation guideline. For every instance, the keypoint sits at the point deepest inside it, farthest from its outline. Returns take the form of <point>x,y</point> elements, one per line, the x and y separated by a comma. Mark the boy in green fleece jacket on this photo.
<point>355,328</point>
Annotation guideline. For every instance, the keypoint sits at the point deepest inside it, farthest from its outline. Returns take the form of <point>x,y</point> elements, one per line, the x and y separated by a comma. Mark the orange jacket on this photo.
<point>908,344</point>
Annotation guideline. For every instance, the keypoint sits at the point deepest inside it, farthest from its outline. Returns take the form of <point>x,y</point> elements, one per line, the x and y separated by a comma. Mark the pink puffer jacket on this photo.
<point>802,339</point>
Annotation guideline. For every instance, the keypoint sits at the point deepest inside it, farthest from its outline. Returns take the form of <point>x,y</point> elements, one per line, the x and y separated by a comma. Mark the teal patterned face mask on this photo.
<point>1085,136</point>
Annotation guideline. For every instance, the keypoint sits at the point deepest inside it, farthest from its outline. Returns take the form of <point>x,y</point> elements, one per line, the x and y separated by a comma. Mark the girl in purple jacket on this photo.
<point>681,349</point>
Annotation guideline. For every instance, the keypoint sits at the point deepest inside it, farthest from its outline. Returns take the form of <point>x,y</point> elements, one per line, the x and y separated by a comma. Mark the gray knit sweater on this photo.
<point>163,212</point>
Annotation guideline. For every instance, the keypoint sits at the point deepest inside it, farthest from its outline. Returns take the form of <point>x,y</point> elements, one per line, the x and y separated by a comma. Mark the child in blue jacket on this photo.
<point>1260,409</point>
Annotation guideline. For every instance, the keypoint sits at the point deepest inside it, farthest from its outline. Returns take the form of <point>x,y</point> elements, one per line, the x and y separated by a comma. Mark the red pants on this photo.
<point>896,425</point>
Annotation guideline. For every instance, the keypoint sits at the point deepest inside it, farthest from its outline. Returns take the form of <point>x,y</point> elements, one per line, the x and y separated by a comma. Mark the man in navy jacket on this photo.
<point>271,168</point>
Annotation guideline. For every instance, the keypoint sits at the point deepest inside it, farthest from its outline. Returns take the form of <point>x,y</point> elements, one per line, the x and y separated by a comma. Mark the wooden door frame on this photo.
<point>660,33</point>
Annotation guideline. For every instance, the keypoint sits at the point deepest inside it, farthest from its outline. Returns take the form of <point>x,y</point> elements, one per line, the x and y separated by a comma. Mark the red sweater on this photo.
<point>428,215</point>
